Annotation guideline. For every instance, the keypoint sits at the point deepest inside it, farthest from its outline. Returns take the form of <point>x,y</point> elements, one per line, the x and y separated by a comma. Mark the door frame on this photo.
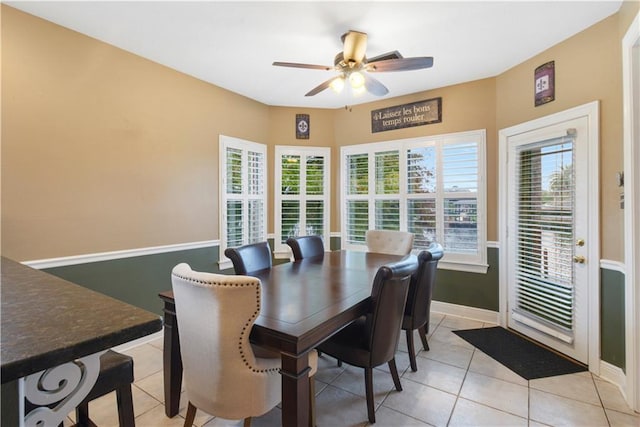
<point>591,112</point>
<point>630,88</point>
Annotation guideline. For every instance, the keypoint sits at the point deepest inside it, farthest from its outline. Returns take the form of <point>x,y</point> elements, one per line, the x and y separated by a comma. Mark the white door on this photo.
<point>547,234</point>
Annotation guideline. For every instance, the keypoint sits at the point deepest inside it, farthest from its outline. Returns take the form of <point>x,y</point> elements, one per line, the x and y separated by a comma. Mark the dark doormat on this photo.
<point>522,356</point>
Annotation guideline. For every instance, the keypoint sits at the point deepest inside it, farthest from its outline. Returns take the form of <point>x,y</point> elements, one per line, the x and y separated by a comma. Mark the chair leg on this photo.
<point>339,363</point>
<point>247,422</point>
<point>394,374</point>
<point>191,415</point>
<point>368,385</point>
<point>312,402</point>
<point>412,350</point>
<point>82,415</point>
<point>126,418</point>
<point>422,331</point>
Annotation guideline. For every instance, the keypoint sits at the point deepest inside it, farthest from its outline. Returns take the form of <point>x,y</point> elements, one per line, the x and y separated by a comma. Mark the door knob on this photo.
<point>579,259</point>
<point>580,242</point>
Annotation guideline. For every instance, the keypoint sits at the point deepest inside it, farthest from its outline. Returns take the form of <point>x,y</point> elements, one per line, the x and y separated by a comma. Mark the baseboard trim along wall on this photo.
<point>614,375</point>
<point>480,314</point>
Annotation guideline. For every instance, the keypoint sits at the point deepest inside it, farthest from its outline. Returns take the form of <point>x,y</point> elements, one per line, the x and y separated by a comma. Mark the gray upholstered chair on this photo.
<point>372,340</point>
<point>305,246</point>
<point>224,374</point>
<point>248,259</point>
<point>418,306</point>
<point>389,242</point>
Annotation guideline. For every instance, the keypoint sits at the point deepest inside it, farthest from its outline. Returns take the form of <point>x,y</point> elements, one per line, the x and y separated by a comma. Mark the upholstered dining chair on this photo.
<point>305,246</point>
<point>372,340</point>
<point>248,259</point>
<point>418,306</point>
<point>389,242</point>
<point>224,374</point>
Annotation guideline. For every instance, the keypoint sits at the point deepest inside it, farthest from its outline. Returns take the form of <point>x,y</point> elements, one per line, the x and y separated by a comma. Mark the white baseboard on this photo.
<point>140,341</point>
<point>480,314</point>
<point>614,375</point>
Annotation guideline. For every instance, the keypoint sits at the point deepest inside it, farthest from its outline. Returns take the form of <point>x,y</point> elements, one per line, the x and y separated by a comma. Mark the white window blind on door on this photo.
<point>544,212</point>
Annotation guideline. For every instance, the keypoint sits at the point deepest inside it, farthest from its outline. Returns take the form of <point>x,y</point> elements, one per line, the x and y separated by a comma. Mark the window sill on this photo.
<point>466,267</point>
<point>224,265</point>
<point>286,254</point>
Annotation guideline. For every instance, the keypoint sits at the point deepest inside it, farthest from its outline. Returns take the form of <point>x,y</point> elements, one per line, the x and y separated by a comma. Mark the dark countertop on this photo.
<point>47,321</point>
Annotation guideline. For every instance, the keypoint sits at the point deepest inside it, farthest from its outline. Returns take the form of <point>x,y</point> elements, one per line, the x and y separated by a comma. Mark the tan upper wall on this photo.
<point>103,150</point>
<point>587,68</point>
<point>467,106</point>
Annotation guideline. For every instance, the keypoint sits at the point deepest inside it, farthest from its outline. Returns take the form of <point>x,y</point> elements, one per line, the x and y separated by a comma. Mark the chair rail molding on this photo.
<point>113,255</point>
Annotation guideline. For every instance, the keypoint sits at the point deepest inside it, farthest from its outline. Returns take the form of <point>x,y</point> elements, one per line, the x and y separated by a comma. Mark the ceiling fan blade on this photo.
<point>322,86</point>
<point>355,46</point>
<point>374,86</point>
<point>297,65</point>
<point>389,55</point>
<point>402,64</point>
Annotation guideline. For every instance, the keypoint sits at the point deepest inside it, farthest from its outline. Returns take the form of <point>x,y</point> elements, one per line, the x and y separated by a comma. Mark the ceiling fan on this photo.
<point>353,66</point>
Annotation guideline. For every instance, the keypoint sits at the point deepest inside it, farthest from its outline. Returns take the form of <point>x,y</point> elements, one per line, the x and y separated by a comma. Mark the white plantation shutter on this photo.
<point>242,193</point>
<point>387,185</point>
<point>545,237</point>
<point>433,187</point>
<point>302,194</point>
<point>460,182</point>
<point>357,207</point>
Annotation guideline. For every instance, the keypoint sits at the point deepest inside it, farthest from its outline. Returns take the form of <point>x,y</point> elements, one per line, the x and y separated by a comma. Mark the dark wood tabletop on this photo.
<point>48,321</point>
<point>303,304</point>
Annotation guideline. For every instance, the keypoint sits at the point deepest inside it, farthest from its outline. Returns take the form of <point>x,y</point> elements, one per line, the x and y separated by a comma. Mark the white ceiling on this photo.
<point>233,44</point>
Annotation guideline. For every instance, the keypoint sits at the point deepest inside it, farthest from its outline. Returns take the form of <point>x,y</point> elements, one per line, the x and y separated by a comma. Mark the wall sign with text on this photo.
<point>407,115</point>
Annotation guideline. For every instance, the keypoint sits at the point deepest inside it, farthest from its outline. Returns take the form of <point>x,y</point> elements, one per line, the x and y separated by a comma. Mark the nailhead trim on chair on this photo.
<point>246,325</point>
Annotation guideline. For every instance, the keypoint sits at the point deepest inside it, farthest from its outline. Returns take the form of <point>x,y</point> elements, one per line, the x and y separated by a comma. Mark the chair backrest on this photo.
<point>306,246</point>
<point>388,297</point>
<point>389,242</point>
<point>248,259</point>
<point>421,286</point>
<point>222,375</point>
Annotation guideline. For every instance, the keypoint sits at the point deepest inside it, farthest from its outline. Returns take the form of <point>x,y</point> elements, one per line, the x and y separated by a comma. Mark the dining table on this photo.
<point>304,303</point>
<point>53,334</point>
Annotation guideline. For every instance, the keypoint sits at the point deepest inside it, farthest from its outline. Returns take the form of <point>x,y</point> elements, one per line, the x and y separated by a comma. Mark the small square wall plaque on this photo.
<point>545,83</point>
<point>302,126</point>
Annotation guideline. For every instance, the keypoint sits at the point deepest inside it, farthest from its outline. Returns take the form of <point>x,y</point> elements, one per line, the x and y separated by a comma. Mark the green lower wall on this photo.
<point>470,289</point>
<point>612,313</point>
<point>138,281</point>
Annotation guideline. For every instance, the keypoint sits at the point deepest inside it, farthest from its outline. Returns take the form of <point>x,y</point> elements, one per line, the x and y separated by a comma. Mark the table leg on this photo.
<point>295,390</point>
<point>172,362</point>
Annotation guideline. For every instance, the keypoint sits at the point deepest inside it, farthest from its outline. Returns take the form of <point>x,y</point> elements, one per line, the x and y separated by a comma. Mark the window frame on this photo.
<point>244,146</point>
<point>282,250</point>
<point>476,263</point>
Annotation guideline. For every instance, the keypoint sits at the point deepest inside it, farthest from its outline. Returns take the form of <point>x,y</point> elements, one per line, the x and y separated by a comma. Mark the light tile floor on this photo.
<point>455,385</point>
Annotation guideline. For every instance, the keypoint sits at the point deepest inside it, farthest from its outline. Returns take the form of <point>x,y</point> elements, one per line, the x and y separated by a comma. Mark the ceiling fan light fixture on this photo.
<point>356,79</point>
<point>337,84</point>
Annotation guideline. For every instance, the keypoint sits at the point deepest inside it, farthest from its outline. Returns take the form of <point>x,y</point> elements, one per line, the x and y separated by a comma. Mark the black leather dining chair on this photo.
<point>418,306</point>
<point>372,340</point>
<point>248,259</point>
<point>306,246</point>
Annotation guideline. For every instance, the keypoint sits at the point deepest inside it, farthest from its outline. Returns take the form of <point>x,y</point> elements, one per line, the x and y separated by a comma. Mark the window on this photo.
<point>301,194</point>
<point>243,200</point>
<point>433,187</point>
